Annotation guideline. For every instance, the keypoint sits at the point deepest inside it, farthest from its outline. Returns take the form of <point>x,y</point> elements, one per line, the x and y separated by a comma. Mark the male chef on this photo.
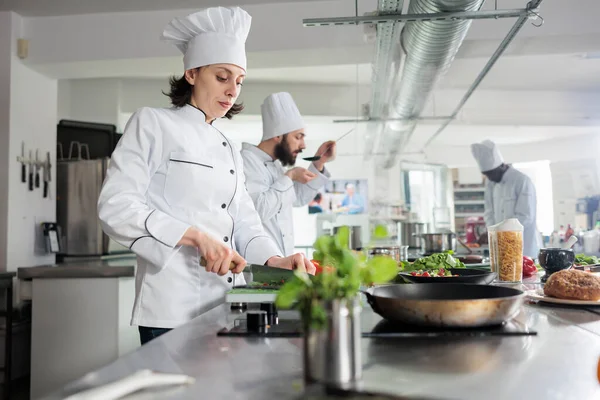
<point>508,194</point>
<point>274,189</point>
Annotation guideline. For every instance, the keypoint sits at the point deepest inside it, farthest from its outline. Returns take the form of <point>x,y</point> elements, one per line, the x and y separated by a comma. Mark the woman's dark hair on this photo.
<point>180,94</point>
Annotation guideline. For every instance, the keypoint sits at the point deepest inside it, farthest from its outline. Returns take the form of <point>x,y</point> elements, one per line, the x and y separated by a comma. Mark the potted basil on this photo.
<point>329,306</point>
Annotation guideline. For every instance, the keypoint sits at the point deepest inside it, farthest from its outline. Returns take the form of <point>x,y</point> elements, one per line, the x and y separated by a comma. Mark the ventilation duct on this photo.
<point>387,56</point>
<point>429,48</point>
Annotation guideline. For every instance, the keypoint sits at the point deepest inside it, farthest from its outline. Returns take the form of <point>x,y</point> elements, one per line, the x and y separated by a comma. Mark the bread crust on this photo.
<point>572,284</point>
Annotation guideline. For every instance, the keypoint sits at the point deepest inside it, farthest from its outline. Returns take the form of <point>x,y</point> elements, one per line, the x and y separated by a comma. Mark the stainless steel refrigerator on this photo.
<point>78,186</point>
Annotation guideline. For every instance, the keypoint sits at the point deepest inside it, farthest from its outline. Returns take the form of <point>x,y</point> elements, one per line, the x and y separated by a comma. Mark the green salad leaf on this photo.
<point>434,262</point>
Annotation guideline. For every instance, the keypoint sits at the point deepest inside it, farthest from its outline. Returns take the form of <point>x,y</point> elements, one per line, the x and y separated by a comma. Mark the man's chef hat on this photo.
<point>214,35</point>
<point>280,115</point>
<point>487,155</point>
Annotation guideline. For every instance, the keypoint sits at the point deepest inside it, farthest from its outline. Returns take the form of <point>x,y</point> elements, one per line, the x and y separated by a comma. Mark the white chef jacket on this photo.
<point>275,194</point>
<point>172,170</point>
<point>514,197</point>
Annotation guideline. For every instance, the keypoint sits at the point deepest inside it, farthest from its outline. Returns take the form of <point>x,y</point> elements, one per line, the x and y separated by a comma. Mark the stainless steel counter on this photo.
<point>94,268</point>
<point>561,362</point>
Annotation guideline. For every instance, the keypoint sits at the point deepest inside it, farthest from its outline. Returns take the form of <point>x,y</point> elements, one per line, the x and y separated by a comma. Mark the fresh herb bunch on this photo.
<point>307,293</point>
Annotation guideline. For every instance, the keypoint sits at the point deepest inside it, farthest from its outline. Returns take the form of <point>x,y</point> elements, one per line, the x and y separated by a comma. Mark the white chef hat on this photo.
<point>280,115</point>
<point>487,155</point>
<point>214,35</point>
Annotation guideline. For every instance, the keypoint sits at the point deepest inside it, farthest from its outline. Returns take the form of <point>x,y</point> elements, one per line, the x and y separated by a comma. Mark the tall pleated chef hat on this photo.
<point>214,35</point>
<point>280,115</point>
<point>487,155</point>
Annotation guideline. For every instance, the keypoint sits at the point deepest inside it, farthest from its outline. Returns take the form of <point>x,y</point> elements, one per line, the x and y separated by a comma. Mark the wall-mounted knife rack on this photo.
<point>34,165</point>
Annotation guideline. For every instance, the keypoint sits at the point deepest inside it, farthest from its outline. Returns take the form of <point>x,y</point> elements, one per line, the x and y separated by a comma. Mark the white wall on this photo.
<point>5,64</point>
<point>91,100</point>
<point>31,119</point>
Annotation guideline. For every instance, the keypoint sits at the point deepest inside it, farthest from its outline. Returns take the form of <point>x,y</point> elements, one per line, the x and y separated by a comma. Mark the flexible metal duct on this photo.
<point>430,48</point>
<point>387,56</point>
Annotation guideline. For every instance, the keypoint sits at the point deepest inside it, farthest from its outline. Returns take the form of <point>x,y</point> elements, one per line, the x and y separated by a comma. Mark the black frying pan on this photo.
<point>465,275</point>
<point>449,305</point>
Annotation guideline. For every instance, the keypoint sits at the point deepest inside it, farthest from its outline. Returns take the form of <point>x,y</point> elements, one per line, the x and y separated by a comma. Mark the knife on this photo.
<point>31,162</point>
<point>37,169</point>
<point>261,273</point>
<point>23,166</point>
<point>47,174</point>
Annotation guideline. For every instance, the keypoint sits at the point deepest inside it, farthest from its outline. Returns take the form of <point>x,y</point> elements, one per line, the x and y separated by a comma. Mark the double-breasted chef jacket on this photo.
<point>275,194</point>
<point>171,170</point>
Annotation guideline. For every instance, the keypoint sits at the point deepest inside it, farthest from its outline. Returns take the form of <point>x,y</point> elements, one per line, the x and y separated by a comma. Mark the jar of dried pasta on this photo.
<point>506,250</point>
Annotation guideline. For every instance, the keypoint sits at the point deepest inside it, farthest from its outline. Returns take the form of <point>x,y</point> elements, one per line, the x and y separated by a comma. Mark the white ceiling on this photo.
<point>549,72</point>
<point>45,8</point>
<point>557,65</point>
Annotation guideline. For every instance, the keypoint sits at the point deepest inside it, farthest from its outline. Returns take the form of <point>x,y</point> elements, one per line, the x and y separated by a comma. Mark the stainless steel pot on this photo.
<point>354,239</point>
<point>437,242</point>
<point>391,251</point>
<point>408,231</point>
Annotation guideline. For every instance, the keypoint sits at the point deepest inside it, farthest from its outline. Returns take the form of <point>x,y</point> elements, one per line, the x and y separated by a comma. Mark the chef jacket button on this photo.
<point>229,279</point>
<point>225,144</point>
<point>232,171</point>
<point>226,239</point>
<point>223,205</point>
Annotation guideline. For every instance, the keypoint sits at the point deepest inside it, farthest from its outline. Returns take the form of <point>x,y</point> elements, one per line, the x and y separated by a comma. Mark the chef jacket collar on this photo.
<point>195,113</point>
<point>262,156</point>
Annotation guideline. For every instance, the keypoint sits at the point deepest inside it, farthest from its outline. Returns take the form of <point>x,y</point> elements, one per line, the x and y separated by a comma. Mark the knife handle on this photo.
<point>203,263</point>
<point>37,180</point>
<point>23,173</point>
<point>45,189</point>
<point>31,181</point>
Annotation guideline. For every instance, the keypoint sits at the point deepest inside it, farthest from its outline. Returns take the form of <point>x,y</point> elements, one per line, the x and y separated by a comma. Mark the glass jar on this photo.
<point>506,250</point>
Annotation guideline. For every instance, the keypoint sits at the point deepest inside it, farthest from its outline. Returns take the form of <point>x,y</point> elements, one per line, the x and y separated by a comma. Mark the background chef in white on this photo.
<point>509,193</point>
<point>174,189</point>
<point>273,189</point>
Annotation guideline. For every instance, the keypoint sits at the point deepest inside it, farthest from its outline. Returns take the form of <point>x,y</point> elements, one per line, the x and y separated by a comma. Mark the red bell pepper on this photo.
<point>529,268</point>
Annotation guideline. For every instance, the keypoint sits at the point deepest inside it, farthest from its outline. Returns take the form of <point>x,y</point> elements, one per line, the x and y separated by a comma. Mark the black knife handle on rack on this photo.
<point>45,189</point>
<point>37,180</point>
<point>23,173</point>
<point>31,181</point>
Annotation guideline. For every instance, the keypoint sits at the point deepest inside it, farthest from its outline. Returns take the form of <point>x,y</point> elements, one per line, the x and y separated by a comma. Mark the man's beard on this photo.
<point>284,154</point>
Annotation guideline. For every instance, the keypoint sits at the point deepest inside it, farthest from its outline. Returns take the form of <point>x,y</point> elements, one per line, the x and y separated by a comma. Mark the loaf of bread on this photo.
<point>572,284</point>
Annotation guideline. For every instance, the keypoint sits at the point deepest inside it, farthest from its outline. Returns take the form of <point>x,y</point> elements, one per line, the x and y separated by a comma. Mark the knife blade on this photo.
<point>31,162</point>
<point>261,273</point>
<point>37,169</point>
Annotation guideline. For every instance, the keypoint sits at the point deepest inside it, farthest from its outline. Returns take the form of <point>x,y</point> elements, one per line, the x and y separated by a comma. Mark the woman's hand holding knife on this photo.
<point>220,259</point>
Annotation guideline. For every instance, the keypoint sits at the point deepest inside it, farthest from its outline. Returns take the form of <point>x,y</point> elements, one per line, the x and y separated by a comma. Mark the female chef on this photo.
<point>174,190</point>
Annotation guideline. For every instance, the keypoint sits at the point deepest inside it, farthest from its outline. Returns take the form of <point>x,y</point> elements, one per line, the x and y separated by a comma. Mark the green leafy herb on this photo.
<point>582,259</point>
<point>434,261</point>
<point>343,281</point>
